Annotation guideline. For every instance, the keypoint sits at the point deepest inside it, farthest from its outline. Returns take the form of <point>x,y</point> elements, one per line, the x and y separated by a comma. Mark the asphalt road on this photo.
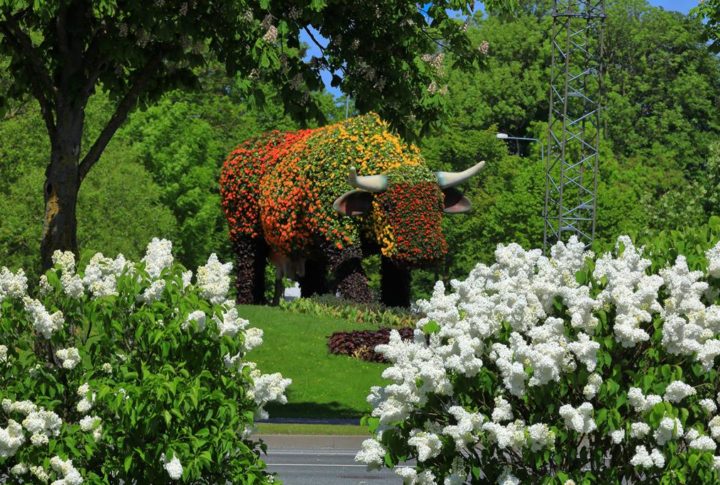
<point>316,460</point>
<point>313,467</point>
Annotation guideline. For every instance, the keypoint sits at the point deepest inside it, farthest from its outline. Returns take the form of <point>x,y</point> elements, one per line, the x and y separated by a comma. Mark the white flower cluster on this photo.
<point>196,318</point>
<point>468,426</point>
<point>640,402</point>
<point>44,323</point>
<point>11,439</point>
<point>713,258</point>
<point>158,256</point>
<point>12,285</point>
<point>100,277</point>
<point>428,444</point>
<point>630,290</point>
<point>152,293</point>
<point>94,424</point>
<point>70,475</point>
<point>512,435</point>
<point>708,405</point>
<point>540,437</point>
<point>213,280</point>
<point>70,357</point>
<point>689,326</point>
<point>593,386</point>
<point>71,283</point>
<point>639,430</point>
<point>669,429</point>
<point>87,399</point>
<point>253,338</point>
<point>267,388</point>
<point>231,323</point>
<point>371,453</point>
<point>412,477</point>
<point>676,391</point>
<point>504,317</point>
<point>578,419</point>
<point>643,459</point>
<point>41,424</point>
<point>703,443</point>
<point>173,467</point>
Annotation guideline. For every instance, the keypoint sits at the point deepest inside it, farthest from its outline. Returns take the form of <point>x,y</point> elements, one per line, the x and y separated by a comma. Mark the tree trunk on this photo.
<point>62,183</point>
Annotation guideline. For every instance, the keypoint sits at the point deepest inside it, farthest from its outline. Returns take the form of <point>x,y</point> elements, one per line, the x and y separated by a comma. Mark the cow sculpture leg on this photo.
<point>394,284</point>
<point>314,282</point>
<point>350,279</point>
<point>250,260</point>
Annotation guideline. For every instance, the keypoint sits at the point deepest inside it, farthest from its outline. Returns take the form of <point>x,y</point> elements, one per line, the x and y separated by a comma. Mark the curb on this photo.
<point>350,421</point>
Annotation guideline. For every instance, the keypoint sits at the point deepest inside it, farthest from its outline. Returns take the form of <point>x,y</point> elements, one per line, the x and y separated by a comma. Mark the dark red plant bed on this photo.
<point>361,343</point>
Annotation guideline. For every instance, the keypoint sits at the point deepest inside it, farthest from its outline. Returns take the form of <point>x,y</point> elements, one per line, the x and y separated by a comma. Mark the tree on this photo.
<point>662,86</point>
<point>114,216</point>
<point>62,51</point>
<point>710,11</point>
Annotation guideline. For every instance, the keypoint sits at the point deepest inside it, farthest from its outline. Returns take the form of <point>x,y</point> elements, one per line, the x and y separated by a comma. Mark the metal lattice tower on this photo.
<point>571,171</point>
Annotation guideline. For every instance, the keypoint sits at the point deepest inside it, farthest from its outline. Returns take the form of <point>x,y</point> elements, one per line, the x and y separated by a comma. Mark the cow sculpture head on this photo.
<point>403,209</point>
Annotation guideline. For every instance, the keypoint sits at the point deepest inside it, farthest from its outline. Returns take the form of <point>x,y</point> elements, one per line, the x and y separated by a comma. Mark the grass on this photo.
<point>305,429</point>
<point>324,385</point>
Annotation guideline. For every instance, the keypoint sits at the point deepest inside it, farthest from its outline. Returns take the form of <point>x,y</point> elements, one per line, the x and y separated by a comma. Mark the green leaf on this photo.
<point>431,327</point>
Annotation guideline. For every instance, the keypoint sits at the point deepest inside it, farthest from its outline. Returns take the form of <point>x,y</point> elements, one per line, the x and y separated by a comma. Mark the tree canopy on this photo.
<point>60,52</point>
<point>659,167</point>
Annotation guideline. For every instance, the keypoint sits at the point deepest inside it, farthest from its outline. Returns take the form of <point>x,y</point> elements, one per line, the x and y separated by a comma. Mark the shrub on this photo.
<point>370,313</point>
<point>558,370</point>
<point>361,343</point>
<point>129,373</point>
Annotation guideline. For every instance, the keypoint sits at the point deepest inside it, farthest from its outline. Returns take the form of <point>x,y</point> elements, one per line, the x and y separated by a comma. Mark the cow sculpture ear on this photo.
<point>354,203</point>
<point>455,202</point>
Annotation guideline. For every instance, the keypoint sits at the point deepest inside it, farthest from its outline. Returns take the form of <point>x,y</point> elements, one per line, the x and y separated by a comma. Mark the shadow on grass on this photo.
<point>331,410</point>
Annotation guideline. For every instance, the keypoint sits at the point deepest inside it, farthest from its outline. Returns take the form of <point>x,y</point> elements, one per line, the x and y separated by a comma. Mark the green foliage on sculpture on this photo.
<point>290,191</point>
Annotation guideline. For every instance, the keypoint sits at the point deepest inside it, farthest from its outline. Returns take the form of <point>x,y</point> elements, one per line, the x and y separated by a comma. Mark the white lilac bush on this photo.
<point>564,370</point>
<point>128,373</point>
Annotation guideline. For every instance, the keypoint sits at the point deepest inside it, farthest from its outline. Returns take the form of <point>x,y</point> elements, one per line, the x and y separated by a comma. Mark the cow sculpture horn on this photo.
<point>451,179</point>
<point>371,183</point>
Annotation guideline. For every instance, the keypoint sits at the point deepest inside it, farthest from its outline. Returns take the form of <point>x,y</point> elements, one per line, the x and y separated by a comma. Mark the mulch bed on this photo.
<point>361,343</point>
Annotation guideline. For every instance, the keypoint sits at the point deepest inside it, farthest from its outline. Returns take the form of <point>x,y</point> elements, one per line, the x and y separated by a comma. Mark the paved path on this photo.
<point>321,460</point>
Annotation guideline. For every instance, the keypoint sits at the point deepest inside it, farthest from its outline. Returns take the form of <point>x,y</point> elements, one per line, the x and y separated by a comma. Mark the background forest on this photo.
<point>659,169</point>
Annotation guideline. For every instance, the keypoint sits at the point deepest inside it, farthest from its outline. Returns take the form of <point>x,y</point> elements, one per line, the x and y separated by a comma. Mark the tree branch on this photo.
<point>322,48</point>
<point>39,78</point>
<point>310,34</point>
<point>91,55</point>
<point>144,75</point>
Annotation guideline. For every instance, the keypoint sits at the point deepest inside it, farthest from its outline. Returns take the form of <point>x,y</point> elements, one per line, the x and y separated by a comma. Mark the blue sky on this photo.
<point>683,6</point>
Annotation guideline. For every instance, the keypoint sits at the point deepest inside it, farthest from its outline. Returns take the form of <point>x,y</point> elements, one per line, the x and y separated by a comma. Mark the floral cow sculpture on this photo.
<point>316,201</point>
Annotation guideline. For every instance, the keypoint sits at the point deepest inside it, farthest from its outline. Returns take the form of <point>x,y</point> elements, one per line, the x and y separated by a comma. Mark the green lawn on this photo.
<point>324,385</point>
